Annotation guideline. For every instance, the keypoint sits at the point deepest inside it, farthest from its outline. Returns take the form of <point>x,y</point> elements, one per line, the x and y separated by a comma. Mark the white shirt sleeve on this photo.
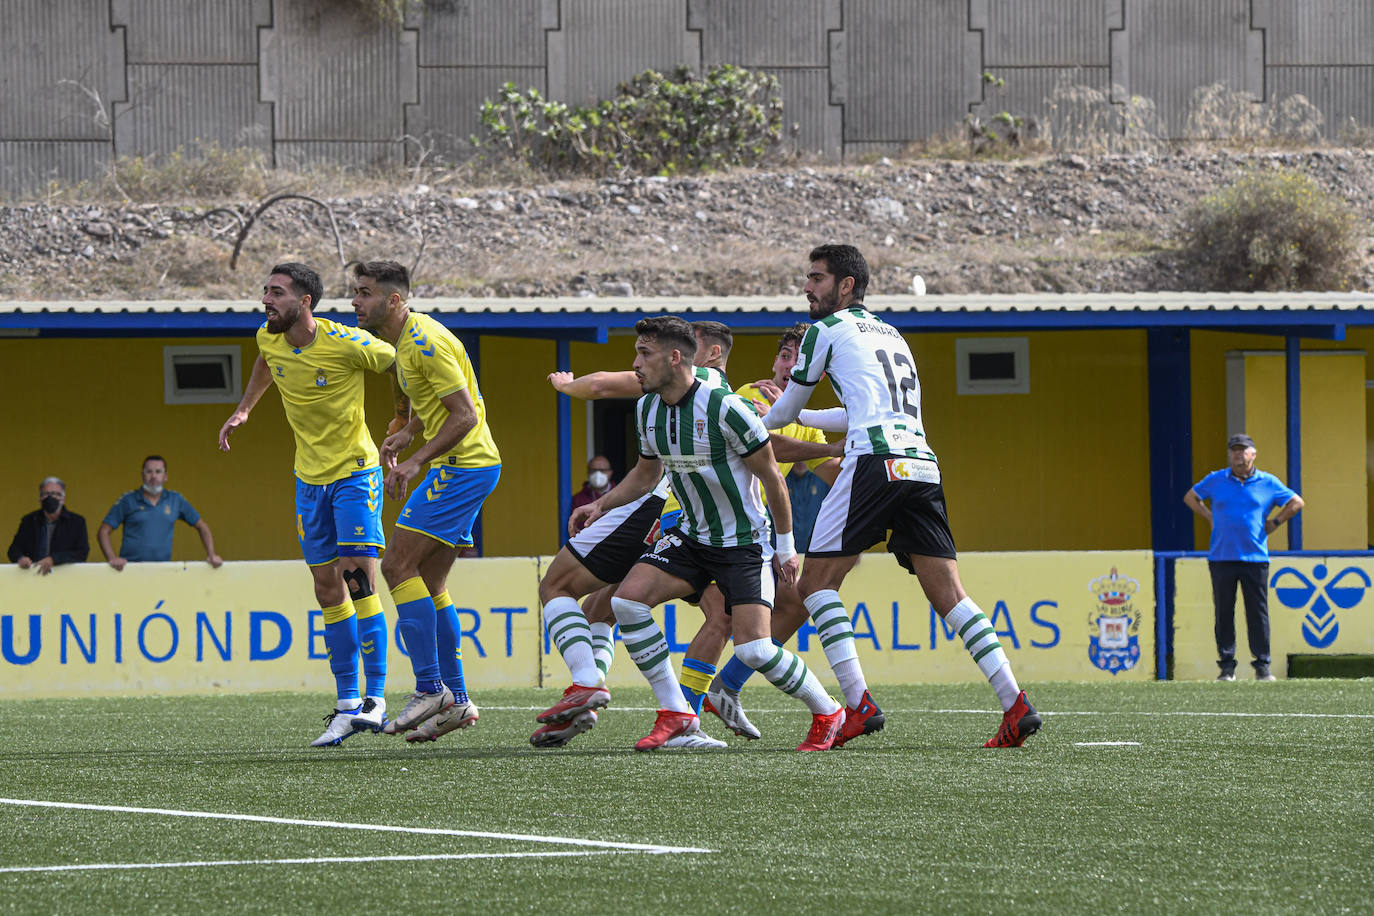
<point>788,407</point>
<point>831,419</point>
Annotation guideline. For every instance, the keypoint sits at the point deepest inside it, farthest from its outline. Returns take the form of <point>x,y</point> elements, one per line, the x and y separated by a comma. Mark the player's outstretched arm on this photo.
<point>596,385</point>
<point>785,448</point>
<point>831,419</point>
<point>788,406</point>
<point>258,382</point>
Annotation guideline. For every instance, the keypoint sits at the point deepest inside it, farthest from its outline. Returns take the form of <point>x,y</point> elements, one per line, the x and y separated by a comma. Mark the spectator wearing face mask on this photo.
<point>52,535</point>
<point>599,482</point>
<point>149,514</point>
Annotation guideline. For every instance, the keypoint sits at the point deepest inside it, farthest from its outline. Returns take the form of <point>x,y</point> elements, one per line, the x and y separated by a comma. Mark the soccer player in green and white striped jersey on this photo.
<point>889,480</point>
<point>716,452</point>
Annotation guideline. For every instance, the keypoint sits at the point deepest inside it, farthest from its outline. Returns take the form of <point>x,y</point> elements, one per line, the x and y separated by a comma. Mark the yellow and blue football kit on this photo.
<point>338,482</point>
<point>338,477</point>
<point>433,364</point>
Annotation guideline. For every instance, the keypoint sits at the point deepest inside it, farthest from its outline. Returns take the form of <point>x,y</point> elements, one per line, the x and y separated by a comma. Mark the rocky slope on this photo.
<point>1061,223</point>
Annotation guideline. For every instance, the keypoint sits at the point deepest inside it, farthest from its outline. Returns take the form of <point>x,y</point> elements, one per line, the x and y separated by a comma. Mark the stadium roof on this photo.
<point>595,318</point>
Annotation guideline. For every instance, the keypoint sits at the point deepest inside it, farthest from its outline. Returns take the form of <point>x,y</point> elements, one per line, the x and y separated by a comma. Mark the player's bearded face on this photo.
<point>822,294</point>
<point>281,306</point>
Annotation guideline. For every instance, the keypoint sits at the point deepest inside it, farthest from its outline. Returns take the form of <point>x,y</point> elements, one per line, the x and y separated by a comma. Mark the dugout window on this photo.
<point>992,365</point>
<point>202,375</point>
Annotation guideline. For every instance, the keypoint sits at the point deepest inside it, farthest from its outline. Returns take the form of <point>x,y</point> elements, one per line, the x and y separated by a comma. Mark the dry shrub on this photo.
<point>1082,119</point>
<point>1218,113</point>
<point>206,173</point>
<point>1273,230</point>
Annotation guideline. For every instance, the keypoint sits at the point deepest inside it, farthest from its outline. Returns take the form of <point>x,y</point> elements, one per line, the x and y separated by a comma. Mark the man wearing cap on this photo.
<point>1242,497</point>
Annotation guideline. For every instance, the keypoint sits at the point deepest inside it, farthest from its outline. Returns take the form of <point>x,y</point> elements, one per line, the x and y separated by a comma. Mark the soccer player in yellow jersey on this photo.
<point>464,466</point>
<point>317,366</point>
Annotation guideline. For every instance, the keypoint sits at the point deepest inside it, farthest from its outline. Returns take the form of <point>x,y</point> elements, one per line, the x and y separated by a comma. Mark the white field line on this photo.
<point>321,860</point>
<point>342,825</point>
<point>992,711</point>
<point>1106,744</point>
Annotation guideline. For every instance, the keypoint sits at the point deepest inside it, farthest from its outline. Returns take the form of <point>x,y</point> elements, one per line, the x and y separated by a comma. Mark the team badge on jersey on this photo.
<point>320,380</point>
<point>701,428</point>
<point>1115,646</point>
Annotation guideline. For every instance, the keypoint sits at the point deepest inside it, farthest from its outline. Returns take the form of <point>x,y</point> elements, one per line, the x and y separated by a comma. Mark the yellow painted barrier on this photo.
<point>174,628</point>
<point>1317,605</point>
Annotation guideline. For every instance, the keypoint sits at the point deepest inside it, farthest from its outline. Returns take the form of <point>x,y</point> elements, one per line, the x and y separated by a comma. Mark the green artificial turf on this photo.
<point>1239,797</point>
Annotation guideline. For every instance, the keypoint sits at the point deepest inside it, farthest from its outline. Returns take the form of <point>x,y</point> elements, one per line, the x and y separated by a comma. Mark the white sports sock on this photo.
<point>788,673</point>
<point>836,633</point>
<point>1004,682</point>
<point>648,648</point>
<point>603,646</point>
<point>572,635</point>
<point>978,636</point>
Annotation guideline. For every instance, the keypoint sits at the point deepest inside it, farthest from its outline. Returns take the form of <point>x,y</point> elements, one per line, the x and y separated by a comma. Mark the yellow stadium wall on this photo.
<point>1052,469</point>
<point>89,410</point>
<point>1064,467</point>
<point>1338,456</point>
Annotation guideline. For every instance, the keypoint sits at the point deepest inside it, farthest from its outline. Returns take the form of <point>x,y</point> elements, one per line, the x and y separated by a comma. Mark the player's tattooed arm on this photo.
<point>402,417</point>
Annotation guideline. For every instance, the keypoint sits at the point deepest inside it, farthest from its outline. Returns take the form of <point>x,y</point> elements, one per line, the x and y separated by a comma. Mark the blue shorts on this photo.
<point>669,520</point>
<point>340,519</point>
<point>445,505</point>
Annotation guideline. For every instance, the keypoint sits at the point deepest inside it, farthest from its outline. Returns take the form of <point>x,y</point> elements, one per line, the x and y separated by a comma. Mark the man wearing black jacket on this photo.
<point>52,535</point>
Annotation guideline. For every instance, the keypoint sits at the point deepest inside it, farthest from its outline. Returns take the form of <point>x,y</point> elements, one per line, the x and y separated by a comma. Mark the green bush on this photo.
<point>1273,231</point>
<point>656,124</point>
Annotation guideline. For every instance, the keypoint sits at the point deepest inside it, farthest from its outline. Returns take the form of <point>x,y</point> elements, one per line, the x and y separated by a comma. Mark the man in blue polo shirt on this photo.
<point>148,515</point>
<point>1242,497</point>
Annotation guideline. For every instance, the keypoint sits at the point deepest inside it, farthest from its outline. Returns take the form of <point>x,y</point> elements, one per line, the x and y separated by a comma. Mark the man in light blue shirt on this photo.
<point>148,515</point>
<point>1242,497</point>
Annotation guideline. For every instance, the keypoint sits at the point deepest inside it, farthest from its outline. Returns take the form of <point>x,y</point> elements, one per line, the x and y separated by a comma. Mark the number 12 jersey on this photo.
<point>874,376</point>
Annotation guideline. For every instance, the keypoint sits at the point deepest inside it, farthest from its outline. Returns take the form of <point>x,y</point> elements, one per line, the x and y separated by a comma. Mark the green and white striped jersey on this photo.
<point>702,441</point>
<point>874,376</point>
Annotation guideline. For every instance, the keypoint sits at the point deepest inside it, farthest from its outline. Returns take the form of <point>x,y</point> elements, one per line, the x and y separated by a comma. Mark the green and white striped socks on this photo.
<point>836,633</point>
<point>978,636</point>
<point>787,672</point>
<point>648,648</point>
<point>570,632</point>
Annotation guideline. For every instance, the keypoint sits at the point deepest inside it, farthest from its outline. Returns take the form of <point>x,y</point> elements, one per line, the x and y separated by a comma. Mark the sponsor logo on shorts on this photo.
<point>912,469</point>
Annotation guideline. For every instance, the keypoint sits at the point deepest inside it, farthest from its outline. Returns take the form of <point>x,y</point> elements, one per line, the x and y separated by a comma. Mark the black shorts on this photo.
<point>744,574</point>
<point>609,546</point>
<point>875,494</point>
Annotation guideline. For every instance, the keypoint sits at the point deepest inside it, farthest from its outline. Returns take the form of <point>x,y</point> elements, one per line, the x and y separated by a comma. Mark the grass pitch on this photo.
<point>1172,797</point>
